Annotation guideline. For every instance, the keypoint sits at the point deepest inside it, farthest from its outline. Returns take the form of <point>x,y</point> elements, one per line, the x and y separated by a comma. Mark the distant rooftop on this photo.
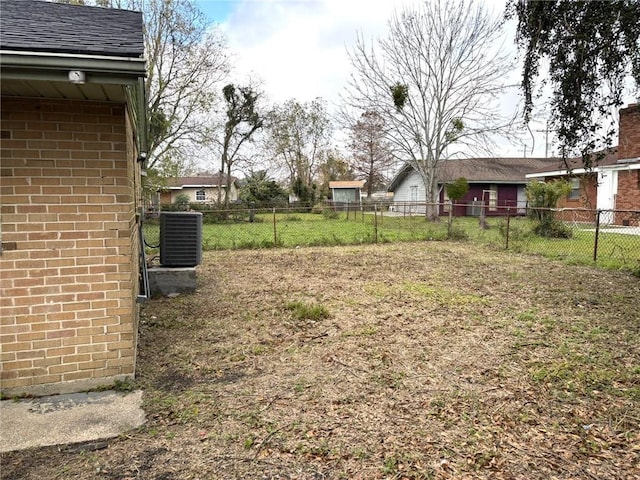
<point>493,170</point>
<point>512,170</point>
<point>347,184</point>
<point>201,180</point>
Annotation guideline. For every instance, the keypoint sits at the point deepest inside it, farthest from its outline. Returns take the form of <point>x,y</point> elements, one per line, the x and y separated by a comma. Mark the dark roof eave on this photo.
<point>55,67</point>
<point>522,181</point>
<point>399,177</point>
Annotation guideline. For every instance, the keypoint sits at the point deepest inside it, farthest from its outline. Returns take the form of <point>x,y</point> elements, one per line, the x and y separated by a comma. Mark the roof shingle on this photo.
<point>40,26</point>
<point>493,170</point>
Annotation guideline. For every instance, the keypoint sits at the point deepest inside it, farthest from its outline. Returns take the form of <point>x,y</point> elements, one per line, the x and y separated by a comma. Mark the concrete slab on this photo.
<point>70,418</point>
<point>166,281</point>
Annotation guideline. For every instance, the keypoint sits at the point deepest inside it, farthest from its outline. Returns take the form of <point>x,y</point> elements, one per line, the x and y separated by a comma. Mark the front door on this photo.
<point>606,197</point>
<point>607,186</point>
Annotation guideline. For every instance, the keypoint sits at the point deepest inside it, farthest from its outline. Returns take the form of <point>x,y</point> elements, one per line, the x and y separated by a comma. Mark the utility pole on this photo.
<point>546,139</point>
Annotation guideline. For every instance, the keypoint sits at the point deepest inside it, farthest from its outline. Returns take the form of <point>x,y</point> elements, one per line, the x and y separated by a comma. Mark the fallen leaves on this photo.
<point>431,361</point>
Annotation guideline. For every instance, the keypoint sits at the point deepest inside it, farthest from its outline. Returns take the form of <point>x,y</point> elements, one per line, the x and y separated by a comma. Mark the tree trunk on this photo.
<point>432,209</point>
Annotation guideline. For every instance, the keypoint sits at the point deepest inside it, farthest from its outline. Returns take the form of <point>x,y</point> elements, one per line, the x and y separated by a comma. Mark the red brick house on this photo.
<point>72,133</point>
<point>614,184</point>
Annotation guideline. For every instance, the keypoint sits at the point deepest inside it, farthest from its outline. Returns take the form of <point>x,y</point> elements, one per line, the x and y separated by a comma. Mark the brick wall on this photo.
<point>628,196</point>
<point>69,263</point>
<point>588,193</point>
<point>629,136</point>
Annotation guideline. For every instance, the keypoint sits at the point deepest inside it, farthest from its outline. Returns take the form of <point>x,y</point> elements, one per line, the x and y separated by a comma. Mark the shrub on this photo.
<point>330,214</point>
<point>456,233</point>
<point>181,202</point>
<point>457,189</point>
<point>543,197</point>
<point>552,228</point>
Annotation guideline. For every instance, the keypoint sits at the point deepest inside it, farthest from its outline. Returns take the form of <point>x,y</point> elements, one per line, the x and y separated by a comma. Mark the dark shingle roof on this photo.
<point>484,170</point>
<point>39,26</point>
<point>490,170</point>
<point>609,157</point>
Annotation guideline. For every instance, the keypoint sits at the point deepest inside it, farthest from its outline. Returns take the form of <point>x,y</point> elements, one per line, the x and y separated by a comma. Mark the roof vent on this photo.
<point>180,239</point>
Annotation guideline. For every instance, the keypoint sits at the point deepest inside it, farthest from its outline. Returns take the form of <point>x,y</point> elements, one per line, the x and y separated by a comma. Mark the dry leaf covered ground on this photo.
<point>417,361</point>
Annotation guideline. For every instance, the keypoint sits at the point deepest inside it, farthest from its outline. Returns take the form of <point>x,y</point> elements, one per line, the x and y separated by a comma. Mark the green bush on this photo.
<point>181,202</point>
<point>543,197</point>
<point>552,228</point>
<point>330,214</point>
<point>457,233</point>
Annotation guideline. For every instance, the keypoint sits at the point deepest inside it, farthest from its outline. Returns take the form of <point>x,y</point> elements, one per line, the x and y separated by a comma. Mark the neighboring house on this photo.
<point>496,183</point>
<point>584,182</point>
<point>346,191</point>
<point>614,183</point>
<point>72,133</point>
<point>203,188</point>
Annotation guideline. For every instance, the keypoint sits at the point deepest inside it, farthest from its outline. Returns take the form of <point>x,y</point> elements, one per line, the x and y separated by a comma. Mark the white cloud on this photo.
<point>298,48</point>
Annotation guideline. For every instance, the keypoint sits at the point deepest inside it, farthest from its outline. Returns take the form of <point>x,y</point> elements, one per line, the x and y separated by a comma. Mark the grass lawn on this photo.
<point>408,360</point>
<point>615,251</point>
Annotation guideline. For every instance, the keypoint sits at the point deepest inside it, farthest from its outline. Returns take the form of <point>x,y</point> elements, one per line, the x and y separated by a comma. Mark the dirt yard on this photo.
<point>404,361</point>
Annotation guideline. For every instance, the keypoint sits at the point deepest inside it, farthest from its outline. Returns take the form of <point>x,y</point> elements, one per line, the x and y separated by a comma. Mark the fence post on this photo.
<point>508,224</point>
<point>275,233</point>
<point>595,243</point>
<point>375,224</point>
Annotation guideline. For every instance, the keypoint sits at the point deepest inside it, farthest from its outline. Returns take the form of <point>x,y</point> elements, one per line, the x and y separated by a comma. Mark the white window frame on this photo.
<point>201,193</point>
<point>574,194</point>
<point>413,193</point>
<point>493,198</point>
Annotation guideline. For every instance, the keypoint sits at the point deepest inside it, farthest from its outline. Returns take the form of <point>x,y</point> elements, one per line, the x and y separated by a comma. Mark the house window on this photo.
<point>493,198</point>
<point>575,189</point>
<point>200,196</point>
<point>413,190</point>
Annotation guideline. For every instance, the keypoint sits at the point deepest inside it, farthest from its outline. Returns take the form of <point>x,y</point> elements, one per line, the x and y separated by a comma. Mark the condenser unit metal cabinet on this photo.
<point>475,209</point>
<point>180,239</point>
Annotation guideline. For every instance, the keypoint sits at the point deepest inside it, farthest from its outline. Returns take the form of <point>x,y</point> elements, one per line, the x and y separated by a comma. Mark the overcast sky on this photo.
<point>298,48</point>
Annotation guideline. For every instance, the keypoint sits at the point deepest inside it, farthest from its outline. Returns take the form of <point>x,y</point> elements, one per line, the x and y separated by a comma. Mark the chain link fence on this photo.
<point>607,237</point>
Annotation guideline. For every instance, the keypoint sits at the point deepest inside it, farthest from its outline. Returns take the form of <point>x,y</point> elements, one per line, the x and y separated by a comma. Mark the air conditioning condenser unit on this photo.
<point>180,239</point>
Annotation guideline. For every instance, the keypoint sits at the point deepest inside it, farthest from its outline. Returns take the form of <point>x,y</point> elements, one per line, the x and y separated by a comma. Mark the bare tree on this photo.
<point>242,122</point>
<point>299,134</point>
<point>371,151</point>
<point>186,61</point>
<point>435,80</point>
